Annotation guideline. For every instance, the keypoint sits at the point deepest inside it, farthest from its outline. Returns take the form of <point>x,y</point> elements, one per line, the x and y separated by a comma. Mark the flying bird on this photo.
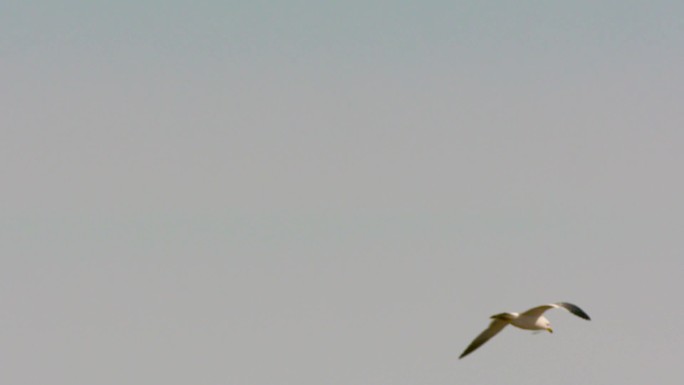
<point>532,319</point>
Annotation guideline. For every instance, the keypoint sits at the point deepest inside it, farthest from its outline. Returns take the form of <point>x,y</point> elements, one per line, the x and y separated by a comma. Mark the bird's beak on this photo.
<point>550,330</point>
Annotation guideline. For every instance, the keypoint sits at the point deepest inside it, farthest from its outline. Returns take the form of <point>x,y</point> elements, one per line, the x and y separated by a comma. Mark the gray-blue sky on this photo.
<point>339,193</point>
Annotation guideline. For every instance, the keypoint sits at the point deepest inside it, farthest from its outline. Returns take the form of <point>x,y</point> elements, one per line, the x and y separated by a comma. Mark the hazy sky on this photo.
<point>311,192</point>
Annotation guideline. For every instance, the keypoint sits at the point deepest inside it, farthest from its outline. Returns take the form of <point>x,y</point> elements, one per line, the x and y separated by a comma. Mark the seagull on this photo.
<point>532,319</point>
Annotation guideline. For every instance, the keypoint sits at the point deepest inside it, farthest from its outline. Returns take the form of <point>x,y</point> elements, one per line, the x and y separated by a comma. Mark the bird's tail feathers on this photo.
<point>503,316</point>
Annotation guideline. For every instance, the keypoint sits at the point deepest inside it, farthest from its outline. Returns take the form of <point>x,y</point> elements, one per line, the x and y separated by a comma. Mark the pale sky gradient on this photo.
<point>309,192</point>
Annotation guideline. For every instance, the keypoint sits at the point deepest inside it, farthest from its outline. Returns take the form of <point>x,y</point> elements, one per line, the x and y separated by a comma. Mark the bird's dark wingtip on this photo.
<point>466,352</point>
<point>574,309</point>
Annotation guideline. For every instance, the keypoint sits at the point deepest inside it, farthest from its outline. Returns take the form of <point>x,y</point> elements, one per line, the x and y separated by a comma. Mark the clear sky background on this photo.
<point>312,192</point>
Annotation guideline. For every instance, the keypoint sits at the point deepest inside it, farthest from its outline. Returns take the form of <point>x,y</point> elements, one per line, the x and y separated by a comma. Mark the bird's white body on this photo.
<point>530,323</point>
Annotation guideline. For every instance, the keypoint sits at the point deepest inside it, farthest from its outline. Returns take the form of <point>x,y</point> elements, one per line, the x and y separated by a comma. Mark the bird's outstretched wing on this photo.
<point>574,309</point>
<point>494,328</point>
